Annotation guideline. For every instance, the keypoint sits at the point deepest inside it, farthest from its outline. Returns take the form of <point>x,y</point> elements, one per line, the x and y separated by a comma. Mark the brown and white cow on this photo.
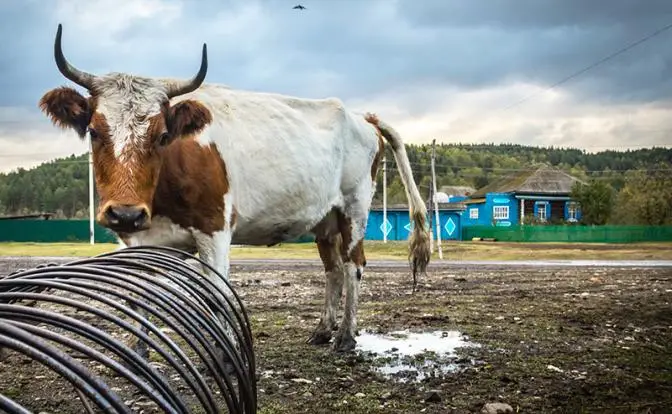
<point>200,166</point>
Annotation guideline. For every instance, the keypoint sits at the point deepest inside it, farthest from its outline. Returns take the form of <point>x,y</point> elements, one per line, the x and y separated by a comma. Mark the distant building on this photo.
<point>540,195</point>
<point>399,227</point>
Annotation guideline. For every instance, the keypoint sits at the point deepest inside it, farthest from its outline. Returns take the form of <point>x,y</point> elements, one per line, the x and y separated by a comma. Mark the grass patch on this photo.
<point>394,250</point>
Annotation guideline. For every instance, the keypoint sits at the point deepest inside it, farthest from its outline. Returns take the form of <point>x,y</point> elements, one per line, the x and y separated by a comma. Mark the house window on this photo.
<point>541,211</point>
<point>473,213</point>
<point>572,211</point>
<point>500,212</point>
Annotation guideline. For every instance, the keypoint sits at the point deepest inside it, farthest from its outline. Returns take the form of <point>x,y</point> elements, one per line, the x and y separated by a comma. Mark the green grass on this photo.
<point>394,250</point>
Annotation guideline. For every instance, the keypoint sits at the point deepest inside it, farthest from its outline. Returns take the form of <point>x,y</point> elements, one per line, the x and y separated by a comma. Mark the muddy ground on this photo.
<point>552,340</point>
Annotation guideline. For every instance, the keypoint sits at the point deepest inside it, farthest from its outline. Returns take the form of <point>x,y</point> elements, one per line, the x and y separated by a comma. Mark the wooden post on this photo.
<point>92,228</point>
<point>384,198</point>
<point>436,205</point>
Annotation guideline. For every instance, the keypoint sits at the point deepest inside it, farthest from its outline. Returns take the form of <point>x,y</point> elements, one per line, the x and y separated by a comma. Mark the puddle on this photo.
<point>413,356</point>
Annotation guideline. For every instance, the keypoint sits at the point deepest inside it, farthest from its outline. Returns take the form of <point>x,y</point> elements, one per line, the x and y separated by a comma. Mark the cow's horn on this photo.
<point>174,89</point>
<point>79,77</point>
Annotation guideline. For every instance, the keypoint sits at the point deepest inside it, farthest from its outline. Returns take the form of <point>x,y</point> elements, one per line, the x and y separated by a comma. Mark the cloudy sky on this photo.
<point>454,70</point>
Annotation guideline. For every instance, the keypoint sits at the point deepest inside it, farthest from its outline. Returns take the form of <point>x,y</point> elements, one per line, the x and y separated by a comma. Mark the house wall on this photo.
<point>486,211</point>
<point>400,226</point>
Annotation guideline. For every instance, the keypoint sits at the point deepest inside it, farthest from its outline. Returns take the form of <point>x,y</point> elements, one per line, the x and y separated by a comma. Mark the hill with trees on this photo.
<point>638,183</point>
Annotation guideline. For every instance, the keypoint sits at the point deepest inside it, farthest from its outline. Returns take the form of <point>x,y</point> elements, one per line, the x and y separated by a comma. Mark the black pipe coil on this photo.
<point>62,315</point>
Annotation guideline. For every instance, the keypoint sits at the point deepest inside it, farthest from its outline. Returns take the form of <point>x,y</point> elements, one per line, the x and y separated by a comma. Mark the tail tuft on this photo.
<point>419,251</point>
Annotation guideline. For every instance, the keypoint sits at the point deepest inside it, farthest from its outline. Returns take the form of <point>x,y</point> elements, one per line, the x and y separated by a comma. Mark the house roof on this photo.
<point>544,180</point>
<point>457,190</point>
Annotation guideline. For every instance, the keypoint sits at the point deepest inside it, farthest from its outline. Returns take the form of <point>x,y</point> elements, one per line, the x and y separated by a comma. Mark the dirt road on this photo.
<point>556,338</point>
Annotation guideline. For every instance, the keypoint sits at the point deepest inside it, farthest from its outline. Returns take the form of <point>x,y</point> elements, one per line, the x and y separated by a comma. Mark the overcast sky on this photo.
<point>443,69</point>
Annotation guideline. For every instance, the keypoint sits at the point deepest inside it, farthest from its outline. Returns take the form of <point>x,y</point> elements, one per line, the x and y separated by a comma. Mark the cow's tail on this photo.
<point>419,242</point>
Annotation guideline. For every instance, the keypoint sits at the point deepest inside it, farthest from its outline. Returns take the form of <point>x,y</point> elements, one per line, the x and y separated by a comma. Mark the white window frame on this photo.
<point>500,212</point>
<point>473,213</point>
<point>572,211</point>
<point>542,207</point>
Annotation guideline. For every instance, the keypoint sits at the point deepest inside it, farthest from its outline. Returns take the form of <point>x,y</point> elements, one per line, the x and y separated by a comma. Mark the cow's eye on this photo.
<point>93,133</point>
<point>164,139</point>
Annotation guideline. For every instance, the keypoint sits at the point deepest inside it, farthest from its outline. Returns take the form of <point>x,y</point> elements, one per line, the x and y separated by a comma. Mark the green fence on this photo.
<point>59,231</point>
<point>51,231</point>
<point>571,233</point>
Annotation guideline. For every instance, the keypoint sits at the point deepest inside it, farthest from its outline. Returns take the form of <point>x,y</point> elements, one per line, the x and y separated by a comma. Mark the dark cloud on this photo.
<point>367,47</point>
<point>418,51</point>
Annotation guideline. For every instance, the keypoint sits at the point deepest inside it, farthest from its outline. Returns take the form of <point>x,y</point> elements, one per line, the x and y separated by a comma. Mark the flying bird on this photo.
<point>299,7</point>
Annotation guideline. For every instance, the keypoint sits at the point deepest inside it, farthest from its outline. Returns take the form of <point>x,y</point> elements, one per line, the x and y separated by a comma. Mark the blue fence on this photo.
<point>399,226</point>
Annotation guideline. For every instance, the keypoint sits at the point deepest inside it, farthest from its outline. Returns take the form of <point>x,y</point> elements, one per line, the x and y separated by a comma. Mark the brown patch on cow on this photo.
<point>357,254</point>
<point>234,217</point>
<point>67,108</point>
<point>193,182</point>
<point>329,250</point>
<point>345,229</point>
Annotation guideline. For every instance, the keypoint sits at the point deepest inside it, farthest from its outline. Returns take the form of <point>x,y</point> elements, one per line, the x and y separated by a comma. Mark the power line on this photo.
<point>585,69</point>
<point>595,64</point>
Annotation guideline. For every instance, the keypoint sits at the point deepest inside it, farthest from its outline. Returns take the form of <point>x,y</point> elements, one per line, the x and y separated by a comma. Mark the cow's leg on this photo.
<point>214,249</point>
<point>139,346</point>
<point>352,225</point>
<point>329,249</point>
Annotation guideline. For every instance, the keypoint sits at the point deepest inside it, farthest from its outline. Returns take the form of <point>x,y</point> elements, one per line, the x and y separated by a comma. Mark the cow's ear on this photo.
<point>188,117</point>
<point>67,108</point>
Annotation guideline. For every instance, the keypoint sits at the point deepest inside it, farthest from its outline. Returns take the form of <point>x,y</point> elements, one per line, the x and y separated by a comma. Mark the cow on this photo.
<point>201,166</point>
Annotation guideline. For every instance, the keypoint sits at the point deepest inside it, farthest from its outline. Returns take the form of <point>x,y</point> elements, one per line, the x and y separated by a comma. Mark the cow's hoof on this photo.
<point>344,343</point>
<point>227,364</point>
<point>319,338</point>
<point>141,348</point>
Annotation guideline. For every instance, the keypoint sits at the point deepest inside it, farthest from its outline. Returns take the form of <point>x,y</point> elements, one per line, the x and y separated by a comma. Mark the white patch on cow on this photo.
<point>127,102</point>
<point>214,249</point>
<point>348,325</point>
<point>163,232</point>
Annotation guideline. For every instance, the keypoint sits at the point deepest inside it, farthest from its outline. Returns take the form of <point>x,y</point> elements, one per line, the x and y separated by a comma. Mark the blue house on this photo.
<point>538,196</point>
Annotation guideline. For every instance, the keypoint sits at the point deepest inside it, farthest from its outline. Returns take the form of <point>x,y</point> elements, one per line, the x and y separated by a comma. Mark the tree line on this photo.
<point>630,187</point>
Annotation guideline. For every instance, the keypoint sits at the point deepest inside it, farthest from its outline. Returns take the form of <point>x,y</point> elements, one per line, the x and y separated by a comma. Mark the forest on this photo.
<point>625,187</point>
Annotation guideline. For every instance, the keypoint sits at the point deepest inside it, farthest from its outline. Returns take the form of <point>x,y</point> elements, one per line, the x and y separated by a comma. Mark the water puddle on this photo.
<point>414,356</point>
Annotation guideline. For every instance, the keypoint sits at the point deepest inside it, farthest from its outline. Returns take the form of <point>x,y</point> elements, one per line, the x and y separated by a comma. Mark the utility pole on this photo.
<point>431,219</point>
<point>384,198</point>
<point>436,205</point>
<point>92,236</point>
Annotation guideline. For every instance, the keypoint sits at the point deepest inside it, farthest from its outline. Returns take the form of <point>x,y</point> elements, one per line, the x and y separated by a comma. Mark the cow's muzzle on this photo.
<point>126,218</point>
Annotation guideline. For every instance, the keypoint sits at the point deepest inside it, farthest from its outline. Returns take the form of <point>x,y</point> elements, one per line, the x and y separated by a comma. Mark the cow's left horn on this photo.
<point>79,77</point>
<point>180,88</point>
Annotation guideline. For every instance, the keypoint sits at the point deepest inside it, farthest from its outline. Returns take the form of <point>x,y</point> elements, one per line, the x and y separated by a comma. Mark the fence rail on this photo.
<point>571,233</point>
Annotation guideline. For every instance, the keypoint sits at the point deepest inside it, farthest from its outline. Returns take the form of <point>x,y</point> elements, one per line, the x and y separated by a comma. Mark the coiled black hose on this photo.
<point>84,308</point>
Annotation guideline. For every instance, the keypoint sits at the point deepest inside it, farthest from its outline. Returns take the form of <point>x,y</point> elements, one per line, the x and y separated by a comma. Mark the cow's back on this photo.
<point>288,160</point>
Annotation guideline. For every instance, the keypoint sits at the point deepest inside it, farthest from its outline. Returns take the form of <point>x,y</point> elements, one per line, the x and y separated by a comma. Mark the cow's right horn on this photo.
<point>174,89</point>
<point>79,77</point>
